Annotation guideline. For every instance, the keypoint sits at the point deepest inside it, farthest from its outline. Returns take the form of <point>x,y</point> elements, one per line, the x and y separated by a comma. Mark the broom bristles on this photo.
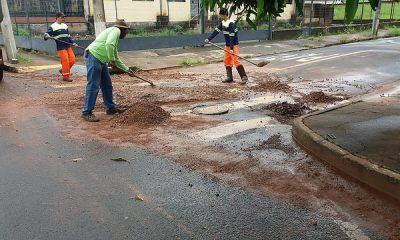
<point>262,64</point>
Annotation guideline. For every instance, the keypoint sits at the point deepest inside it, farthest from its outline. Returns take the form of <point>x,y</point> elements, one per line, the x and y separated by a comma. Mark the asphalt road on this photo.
<point>355,68</point>
<point>46,194</point>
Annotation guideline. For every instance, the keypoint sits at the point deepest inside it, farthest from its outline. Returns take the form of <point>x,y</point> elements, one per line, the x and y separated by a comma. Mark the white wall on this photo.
<point>146,11</point>
<point>289,10</point>
<point>179,11</point>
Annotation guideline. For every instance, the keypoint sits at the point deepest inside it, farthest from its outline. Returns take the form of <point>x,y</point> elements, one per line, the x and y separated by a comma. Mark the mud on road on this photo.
<point>263,159</point>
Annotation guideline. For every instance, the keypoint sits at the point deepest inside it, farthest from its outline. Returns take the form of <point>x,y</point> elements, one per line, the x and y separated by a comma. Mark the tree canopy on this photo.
<point>252,11</point>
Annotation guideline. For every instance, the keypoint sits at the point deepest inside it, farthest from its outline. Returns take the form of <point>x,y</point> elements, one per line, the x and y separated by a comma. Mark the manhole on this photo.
<point>211,110</point>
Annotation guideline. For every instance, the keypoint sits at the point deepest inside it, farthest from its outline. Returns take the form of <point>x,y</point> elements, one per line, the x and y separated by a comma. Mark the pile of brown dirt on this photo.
<point>287,109</point>
<point>272,86</point>
<point>143,114</point>
<point>285,112</point>
<point>273,140</point>
<point>319,97</point>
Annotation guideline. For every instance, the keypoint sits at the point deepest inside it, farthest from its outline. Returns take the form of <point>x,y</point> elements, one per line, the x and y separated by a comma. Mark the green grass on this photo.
<point>315,38</point>
<point>343,38</point>
<point>191,62</point>
<point>20,31</point>
<point>367,34</point>
<point>22,59</point>
<point>177,30</point>
<point>198,62</point>
<point>309,45</point>
<point>385,11</point>
<point>393,31</point>
<point>184,62</point>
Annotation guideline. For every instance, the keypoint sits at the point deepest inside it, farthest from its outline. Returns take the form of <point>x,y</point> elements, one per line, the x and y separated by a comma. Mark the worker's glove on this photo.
<point>231,51</point>
<point>112,64</point>
<point>75,45</point>
<point>46,36</point>
<point>206,41</point>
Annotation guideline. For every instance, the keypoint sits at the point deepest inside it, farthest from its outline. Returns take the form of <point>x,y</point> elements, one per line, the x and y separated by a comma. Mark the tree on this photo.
<point>352,6</point>
<point>265,9</point>
<point>260,10</point>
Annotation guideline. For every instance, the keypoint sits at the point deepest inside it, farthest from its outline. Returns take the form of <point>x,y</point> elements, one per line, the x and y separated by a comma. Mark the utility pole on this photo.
<point>202,17</point>
<point>86,7</point>
<point>8,35</point>
<point>99,16</point>
<point>375,23</point>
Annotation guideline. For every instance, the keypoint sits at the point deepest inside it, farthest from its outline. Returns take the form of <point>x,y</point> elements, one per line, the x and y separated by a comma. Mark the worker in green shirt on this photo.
<point>98,55</point>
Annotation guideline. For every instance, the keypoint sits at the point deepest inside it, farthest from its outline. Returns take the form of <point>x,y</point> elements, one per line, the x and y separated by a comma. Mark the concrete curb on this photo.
<point>359,168</point>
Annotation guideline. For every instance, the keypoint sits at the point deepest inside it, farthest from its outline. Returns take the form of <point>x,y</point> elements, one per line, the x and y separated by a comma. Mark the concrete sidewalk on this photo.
<point>169,58</point>
<point>361,139</point>
<point>179,57</point>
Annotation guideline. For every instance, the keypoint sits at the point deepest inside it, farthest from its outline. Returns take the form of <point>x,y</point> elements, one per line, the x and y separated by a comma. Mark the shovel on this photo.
<point>260,64</point>
<point>77,46</point>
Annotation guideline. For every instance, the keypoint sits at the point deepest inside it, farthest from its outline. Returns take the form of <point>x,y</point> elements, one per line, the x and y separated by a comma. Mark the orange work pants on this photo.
<point>231,60</point>
<point>67,59</point>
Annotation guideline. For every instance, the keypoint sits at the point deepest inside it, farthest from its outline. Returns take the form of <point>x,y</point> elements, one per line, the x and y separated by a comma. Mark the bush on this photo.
<point>178,28</point>
<point>20,31</point>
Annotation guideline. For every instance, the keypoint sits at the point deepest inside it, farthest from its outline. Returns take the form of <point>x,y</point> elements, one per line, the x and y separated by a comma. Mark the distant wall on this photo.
<point>141,43</point>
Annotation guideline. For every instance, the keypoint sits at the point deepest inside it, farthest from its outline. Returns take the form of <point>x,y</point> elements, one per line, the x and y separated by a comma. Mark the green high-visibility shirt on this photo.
<point>104,48</point>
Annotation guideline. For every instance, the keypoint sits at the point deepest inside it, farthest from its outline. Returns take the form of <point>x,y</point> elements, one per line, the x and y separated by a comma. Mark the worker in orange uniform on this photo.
<point>59,31</point>
<point>231,59</point>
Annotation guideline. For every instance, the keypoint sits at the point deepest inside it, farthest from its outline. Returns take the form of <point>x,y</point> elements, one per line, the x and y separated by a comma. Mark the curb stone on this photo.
<point>359,168</point>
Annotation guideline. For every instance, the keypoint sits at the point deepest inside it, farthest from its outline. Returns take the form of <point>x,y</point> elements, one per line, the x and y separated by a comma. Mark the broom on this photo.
<point>260,64</point>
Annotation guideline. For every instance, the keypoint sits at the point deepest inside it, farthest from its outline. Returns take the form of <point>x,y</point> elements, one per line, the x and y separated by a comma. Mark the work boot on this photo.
<point>242,74</point>
<point>229,77</point>
<point>90,117</point>
<point>67,80</point>
<point>113,111</point>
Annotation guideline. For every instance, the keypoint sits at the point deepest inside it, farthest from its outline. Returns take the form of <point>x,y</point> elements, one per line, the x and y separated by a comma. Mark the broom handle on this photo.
<point>77,46</point>
<point>215,45</point>
<point>151,83</point>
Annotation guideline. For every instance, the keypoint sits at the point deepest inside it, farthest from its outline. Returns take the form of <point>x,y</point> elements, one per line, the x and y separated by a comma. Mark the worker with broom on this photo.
<point>97,55</point>
<point>231,58</point>
<point>59,31</point>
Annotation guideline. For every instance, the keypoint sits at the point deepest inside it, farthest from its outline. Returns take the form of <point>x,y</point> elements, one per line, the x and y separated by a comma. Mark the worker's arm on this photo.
<point>112,51</point>
<point>217,30</point>
<point>48,34</point>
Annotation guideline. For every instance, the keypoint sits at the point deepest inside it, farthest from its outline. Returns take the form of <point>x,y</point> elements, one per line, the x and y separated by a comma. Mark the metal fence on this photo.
<point>42,8</point>
<point>32,17</point>
<point>332,12</point>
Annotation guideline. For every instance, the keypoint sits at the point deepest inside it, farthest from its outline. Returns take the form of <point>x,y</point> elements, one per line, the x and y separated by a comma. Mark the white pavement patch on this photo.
<point>232,128</point>
<point>254,102</point>
<point>395,92</point>
<point>351,230</point>
<point>260,100</point>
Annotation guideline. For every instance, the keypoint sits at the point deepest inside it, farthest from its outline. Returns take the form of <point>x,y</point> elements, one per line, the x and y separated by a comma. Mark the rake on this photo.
<point>77,46</point>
